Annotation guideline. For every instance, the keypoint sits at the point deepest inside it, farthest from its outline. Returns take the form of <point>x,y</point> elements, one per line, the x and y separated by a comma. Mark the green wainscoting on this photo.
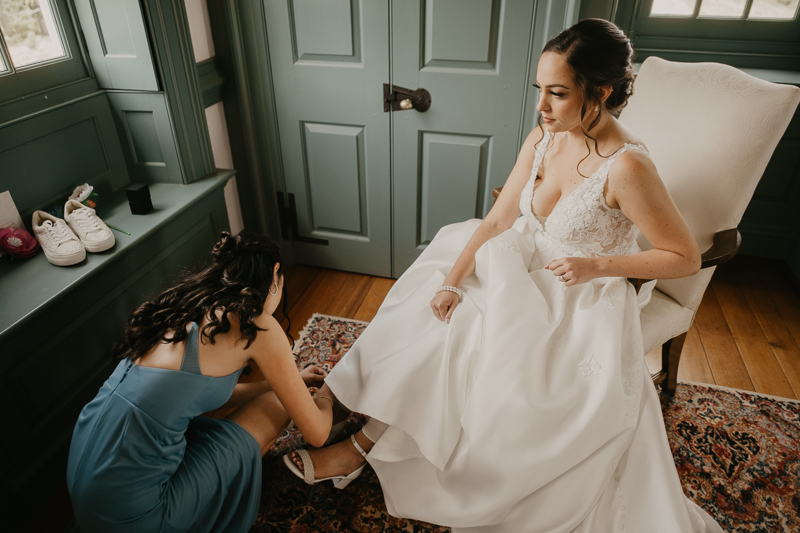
<point>43,158</point>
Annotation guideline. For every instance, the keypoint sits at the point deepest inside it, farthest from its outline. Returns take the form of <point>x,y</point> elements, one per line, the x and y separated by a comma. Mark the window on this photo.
<point>733,9</point>
<point>29,33</point>
<point>38,48</point>
<point>743,33</point>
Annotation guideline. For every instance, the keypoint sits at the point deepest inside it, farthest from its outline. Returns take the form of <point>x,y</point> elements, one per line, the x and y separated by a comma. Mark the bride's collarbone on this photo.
<point>559,178</point>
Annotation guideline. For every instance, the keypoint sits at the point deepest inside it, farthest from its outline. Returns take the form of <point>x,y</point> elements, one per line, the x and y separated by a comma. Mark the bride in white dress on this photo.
<point>521,403</point>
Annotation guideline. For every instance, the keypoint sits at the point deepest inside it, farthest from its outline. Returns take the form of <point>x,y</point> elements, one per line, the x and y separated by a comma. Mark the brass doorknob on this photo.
<point>406,104</point>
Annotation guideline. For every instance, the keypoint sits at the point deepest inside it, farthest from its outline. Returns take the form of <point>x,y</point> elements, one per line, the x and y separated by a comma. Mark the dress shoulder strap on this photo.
<point>544,144</point>
<point>191,354</point>
<point>602,172</point>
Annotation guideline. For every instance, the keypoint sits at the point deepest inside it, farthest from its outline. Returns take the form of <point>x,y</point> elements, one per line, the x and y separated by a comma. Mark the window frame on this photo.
<point>770,44</point>
<point>37,77</point>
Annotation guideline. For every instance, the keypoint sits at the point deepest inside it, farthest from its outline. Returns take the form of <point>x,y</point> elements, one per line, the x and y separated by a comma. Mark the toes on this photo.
<point>296,460</point>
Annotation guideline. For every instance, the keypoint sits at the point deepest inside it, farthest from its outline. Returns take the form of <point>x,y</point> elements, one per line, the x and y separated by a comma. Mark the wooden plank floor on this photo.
<point>746,333</point>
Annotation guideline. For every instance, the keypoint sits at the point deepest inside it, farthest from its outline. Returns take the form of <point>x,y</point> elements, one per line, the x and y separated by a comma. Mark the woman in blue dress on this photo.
<point>142,459</point>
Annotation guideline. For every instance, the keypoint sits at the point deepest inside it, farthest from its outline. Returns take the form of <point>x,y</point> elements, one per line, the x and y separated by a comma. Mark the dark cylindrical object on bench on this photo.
<point>139,198</point>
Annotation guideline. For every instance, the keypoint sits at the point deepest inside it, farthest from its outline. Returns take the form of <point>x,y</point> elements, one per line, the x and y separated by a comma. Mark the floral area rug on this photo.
<point>737,454</point>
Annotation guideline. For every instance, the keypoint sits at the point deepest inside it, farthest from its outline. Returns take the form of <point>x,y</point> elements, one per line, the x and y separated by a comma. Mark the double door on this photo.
<point>371,187</point>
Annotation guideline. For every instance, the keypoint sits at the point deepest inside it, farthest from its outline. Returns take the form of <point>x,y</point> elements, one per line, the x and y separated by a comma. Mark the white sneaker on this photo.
<point>60,245</point>
<point>93,232</point>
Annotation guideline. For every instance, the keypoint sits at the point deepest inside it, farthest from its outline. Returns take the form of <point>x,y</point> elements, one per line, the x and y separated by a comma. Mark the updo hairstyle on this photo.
<point>599,54</point>
<point>237,280</point>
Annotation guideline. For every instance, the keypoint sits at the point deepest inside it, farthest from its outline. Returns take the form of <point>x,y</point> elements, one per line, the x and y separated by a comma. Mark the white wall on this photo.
<point>203,44</point>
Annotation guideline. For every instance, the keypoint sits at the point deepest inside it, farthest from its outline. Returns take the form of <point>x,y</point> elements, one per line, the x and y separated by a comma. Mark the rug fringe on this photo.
<point>731,389</point>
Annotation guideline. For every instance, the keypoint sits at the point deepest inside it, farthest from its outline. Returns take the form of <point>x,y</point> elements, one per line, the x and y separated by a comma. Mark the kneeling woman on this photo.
<point>142,459</point>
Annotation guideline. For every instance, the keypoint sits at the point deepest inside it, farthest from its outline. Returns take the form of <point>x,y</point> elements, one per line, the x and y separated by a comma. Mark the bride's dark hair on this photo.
<point>236,280</point>
<point>599,54</point>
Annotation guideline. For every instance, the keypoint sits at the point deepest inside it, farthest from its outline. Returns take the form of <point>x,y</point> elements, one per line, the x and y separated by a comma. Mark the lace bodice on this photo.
<point>581,224</point>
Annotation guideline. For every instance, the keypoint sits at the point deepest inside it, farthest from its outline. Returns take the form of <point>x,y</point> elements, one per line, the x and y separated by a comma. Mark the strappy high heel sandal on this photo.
<point>307,473</point>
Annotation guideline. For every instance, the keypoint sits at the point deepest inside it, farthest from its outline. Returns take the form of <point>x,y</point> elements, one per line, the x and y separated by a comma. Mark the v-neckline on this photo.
<point>573,191</point>
<point>585,180</point>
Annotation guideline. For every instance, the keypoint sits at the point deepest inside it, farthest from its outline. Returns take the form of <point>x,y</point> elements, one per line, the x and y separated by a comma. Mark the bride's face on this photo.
<point>560,99</point>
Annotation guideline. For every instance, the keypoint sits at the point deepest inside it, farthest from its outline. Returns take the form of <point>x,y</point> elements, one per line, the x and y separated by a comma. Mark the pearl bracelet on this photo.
<point>448,288</point>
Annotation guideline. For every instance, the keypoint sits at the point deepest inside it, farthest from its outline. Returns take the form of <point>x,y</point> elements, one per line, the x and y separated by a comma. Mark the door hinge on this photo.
<point>288,218</point>
<point>401,99</point>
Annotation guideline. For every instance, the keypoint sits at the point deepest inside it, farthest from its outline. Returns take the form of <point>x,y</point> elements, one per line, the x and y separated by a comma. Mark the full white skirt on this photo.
<point>532,411</point>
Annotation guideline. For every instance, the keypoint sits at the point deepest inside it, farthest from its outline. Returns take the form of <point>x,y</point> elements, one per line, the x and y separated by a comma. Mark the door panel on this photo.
<point>461,33</point>
<point>324,28</point>
<point>440,204</point>
<point>329,60</point>
<point>336,170</point>
<point>472,56</point>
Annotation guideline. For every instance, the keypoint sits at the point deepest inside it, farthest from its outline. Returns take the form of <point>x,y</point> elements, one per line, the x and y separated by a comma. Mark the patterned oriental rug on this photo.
<point>737,454</point>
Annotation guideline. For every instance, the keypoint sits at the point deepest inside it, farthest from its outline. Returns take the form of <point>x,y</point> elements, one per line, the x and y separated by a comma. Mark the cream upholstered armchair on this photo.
<point>711,130</point>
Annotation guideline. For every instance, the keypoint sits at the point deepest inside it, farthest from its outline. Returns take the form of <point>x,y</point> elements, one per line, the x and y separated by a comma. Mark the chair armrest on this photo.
<point>496,192</point>
<point>726,244</point>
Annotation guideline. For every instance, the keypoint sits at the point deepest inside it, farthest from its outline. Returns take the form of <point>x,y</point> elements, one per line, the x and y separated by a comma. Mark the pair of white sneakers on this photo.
<point>66,241</point>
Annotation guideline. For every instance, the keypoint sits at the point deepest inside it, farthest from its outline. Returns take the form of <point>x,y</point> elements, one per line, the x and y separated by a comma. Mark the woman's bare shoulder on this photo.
<point>270,330</point>
<point>632,167</point>
<point>633,177</point>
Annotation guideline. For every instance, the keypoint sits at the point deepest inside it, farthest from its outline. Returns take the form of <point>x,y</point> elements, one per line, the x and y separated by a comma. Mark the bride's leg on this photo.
<point>342,458</point>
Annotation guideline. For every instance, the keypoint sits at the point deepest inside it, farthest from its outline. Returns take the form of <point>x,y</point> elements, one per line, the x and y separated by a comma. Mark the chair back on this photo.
<point>711,130</point>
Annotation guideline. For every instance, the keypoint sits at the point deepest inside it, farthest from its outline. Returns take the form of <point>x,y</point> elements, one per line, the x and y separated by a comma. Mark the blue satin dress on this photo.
<point>142,459</point>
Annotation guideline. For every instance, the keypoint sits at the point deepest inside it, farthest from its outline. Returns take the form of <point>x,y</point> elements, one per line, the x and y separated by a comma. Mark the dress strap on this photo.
<point>602,172</point>
<point>191,354</point>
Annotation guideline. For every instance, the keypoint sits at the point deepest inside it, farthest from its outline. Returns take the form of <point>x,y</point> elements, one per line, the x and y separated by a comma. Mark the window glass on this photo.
<point>773,9</point>
<point>2,64</point>
<point>30,31</point>
<point>673,7</point>
<point>722,8</point>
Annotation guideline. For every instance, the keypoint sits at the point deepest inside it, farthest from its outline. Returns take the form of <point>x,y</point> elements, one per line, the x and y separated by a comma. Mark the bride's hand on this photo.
<point>573,270</point>
<point>313,375</point>
<point>443,305</point>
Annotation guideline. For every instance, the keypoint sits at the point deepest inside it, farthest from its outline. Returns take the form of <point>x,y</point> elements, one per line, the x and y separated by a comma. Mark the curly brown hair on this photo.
<point>236,280</point>
<point>599,54</point>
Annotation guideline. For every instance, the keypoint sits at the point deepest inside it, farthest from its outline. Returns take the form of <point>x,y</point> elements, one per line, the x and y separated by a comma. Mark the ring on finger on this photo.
<point>562,278</point>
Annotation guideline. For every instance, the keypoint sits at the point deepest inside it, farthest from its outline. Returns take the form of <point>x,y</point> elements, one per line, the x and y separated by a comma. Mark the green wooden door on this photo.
<point>329,60</point>
<point>472,56</point>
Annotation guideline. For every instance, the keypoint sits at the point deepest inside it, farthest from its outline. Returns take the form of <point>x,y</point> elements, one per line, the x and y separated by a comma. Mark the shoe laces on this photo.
<point>58,232</point>
<point>87,220</point>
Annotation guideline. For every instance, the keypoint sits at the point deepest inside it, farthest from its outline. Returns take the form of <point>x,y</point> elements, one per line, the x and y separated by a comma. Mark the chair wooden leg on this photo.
<point>670,358</point>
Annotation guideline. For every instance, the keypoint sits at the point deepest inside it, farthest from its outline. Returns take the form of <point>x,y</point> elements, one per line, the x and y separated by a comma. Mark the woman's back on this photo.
<point>140,460</point>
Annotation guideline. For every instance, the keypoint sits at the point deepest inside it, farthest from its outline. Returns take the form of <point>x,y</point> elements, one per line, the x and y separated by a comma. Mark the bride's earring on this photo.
<point>276,289</point>
<point>597,108</point>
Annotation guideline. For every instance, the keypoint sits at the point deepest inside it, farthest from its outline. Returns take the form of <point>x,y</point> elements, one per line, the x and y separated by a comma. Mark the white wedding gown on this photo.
<point>532,411</point>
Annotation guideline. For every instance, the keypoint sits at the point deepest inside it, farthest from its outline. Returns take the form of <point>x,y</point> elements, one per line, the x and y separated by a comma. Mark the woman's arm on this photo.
<point>635,186</point>
<point>272,354</point>
<point>312,376</point>
<point>502,215</point>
